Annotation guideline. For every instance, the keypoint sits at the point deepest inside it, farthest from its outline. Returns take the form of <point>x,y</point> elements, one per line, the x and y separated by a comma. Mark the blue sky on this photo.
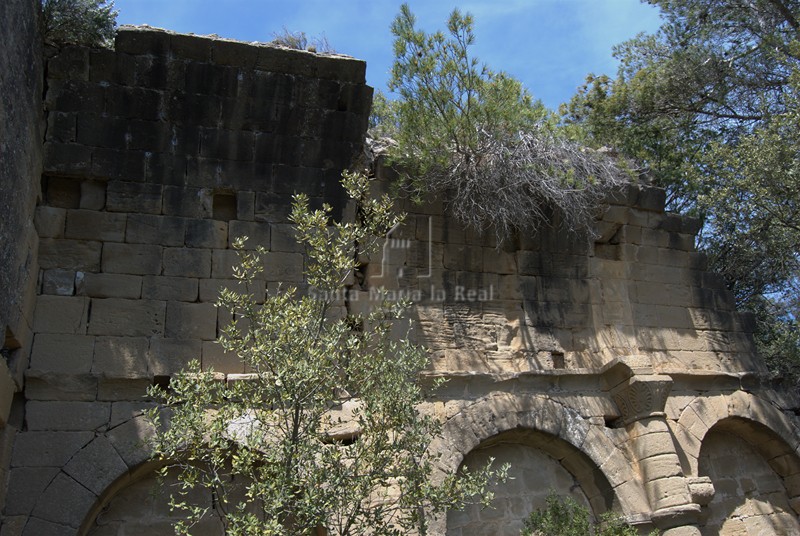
<point>550,45</point>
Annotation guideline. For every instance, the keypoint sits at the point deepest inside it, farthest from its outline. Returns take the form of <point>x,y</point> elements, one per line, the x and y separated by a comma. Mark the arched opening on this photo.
<point>142,507</point>
<point>539,463</point>
<point>750,467</point>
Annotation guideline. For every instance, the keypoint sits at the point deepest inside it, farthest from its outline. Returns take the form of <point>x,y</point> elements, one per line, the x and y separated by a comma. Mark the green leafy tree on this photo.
<point>325,436</point>
<point>477,137</point>
<point>709,105</point>
<point>78,22</point>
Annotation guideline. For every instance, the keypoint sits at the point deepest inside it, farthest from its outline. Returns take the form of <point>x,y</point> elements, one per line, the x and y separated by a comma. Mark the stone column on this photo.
<point>640,394</point>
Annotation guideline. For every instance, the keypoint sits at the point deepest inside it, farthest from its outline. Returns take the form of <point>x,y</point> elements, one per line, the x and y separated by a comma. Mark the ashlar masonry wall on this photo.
<point>157,155</point>
<point>614,368</point>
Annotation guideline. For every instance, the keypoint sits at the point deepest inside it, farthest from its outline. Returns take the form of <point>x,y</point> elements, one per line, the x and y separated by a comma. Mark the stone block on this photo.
<point>92,225</point>
<point>116,389</point>
<point>137,259</point>
<point>222,263</point>
<point>69,254</point>
<point>93,195</point>
<point>96,465</point>
<point>226,144</point>
<point>133,102</point>
<point>67,158</point>
<point>258,233</point>
<point>209,289</point>
<point>50,385</point>
<point>48,449</point>
<point>50,222</point>
<point>273,208</point>
<point>187,202</point>
<point>284,239</point>
<point>245,206</point>
<point>651,198</point>
<point>66,416</point>
<point>58,352</point>
<point>65,501</point>
<point>214,357</point>
<point>169,288</point>
<point>61,314</point>
<point>95,130</point>
<point>58,282</point>
<point>25,487</point>
<point>192,47</point>
<point>191,321</point>
<point>121,165</point>
<point>70,62</point>
<point>110,286</point>
<point>134,197</point>
<point>151,136</point>
<point>127,318</point>
<point>36,526</point>
<point>152,229</point>
<point>167,356</point>
<point>212,234</point>
<point>187,262</point>
<point>194,109</point>
<point>121,357</point>
<point>130,440</point>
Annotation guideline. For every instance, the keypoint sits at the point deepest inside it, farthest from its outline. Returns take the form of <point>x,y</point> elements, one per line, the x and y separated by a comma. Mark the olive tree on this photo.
<point>325,436</point>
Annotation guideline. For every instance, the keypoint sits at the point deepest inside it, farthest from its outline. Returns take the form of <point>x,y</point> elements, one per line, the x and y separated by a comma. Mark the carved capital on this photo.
<point>642,396</point>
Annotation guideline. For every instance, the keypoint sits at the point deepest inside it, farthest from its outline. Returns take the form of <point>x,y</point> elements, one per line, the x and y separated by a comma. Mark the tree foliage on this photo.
<point>710,105</point>
<point>326,432</point>
<point>78,22</point>
<point>563,516</point>
<point>478,137</point>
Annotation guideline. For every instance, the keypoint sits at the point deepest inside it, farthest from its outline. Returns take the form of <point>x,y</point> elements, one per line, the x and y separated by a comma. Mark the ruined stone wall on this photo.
<point>608,367</point>
<point>20,169</point>
<point>157,155</point>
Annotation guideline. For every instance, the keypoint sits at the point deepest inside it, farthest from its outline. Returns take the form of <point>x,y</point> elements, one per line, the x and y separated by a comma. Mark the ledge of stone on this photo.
<point>146,40</point>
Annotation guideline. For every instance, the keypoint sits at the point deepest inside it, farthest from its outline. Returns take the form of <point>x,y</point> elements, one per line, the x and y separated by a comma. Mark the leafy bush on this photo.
<point>78,22</point>
<point>478,137</point>
<point>299,41</point>
<point>563,516</point>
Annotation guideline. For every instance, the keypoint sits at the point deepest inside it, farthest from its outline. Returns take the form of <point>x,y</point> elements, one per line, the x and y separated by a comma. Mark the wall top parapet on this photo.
<point>147,40</point>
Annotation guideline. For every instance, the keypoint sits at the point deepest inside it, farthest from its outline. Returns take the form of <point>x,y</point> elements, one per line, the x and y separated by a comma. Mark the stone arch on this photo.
<point>765,440</point>
<point>126,443</point>
<point>775,436</point>
<point>755,478</point>
<point>501,414</point>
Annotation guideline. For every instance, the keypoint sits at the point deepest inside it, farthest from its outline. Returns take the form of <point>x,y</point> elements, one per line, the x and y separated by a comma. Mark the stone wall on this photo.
<point>612,364</point>
<point>21,158</point>
<point>157,155</point>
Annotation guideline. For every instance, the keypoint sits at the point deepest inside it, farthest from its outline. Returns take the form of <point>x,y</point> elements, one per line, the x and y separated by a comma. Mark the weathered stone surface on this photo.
<point>110,286</point>
<point>121,357</point>
<point>66,416</point>
<point>187,262</point>
<point>168,356</point>
<point>128,318</point>
<point>139,259</point>
<point>64,502</point>
<point>48,449</point>
<point>60,352</point>
<point>191,321</point>
<point>169,288</point>
<point>96,465</point>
